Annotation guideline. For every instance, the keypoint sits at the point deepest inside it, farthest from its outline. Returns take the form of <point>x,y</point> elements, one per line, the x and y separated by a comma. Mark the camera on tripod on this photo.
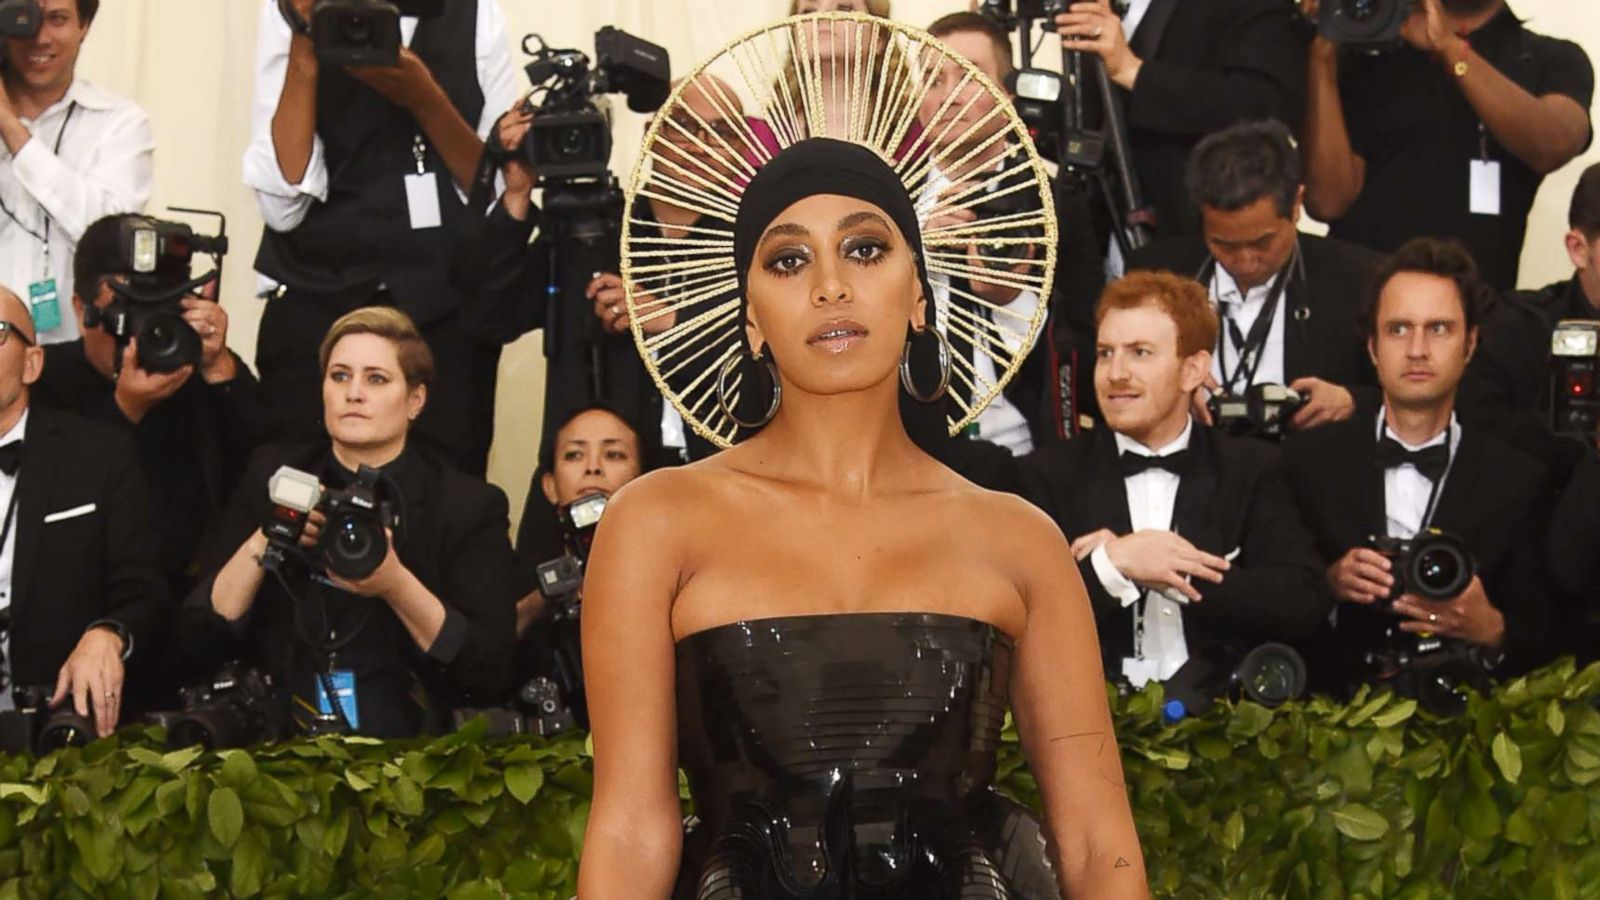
<point>354,539</point>
<point>1369,26</point>
<point>1262,411</point>
<point>1574,360</point>
<point>358,32</point>
<point>20,18</point>
<point>571,133</point>
<point>1434,565</point>
<point>155,259</point>
<point>236,707</point>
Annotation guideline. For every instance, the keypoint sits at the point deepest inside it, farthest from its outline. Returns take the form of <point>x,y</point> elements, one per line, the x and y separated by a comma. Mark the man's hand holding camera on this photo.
<point>408,85</point>
<point>140,390</point>
<point>1156,559</point>
<point>1325,404</point>
<point>961,216</point>
<point>1469,616</point>
<point>92,676</point>
<point>1362,575</point>
<point>520,178</point>
<point>610,301</point>
<point>210,321</point>
<point>1093,27</point>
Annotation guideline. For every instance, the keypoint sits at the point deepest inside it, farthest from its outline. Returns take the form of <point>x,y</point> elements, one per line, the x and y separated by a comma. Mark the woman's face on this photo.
<point>596,453</point>
<point>365,400</point>
<point>832,288</point>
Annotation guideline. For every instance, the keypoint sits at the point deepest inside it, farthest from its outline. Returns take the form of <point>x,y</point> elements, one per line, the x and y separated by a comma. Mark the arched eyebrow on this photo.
<point>787,229</point>
<point>857,218</point>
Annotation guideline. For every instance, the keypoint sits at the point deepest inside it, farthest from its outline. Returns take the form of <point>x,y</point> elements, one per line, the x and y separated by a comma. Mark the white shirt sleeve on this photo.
<point>1116,584</point>
<point>283,205</point>
<point>497,77</point>
<point>115,178</point>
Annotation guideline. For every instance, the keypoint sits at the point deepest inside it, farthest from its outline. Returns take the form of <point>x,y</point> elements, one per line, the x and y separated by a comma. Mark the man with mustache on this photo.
<point>1413,466</point>
<point>1187,538</point>
<point>1449,135</point>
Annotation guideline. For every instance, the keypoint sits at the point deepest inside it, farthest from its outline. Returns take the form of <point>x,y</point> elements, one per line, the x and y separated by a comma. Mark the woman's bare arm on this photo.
<point>1058,698</point>
<point>634,838</point>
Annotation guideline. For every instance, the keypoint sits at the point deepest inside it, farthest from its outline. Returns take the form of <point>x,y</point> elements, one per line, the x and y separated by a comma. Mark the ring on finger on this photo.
<point>1433,618</point>
<point>1098,31</point>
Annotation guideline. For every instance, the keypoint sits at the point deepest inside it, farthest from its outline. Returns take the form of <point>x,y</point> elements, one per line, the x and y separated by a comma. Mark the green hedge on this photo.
<point>1371,799</point>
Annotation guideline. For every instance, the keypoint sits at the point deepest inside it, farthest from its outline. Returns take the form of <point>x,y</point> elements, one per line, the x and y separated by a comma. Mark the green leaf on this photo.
<point>1233,831</point>
<point>1478,815</point>
<point>1554,718</point>
<point>1396,714</point>
<point>225,815</point>
<point>524,782</point>
<point>32,793</point>
<point>356,781</point>
<point>1508,756</point>
<point>1360,823</point>
<point>250,866</point>
<point>238,769</point>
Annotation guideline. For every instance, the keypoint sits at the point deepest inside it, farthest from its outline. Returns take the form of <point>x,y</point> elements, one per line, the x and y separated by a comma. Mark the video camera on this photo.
<point>353,541</point>
<point>156,258</point>
<point>20,18</point>
<point>571,133</point>
<point>1575,360</point>
<point>33,727</point>
<point>358,32</point>
<point>1369,26</point>
<point>234,708</point>
<point>1263,411</point>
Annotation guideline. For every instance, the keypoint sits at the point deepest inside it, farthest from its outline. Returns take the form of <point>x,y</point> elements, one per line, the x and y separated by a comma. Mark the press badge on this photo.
<point>422,199</point>
<point>44,304</point>
<point>344,689</point>
<point>1485,189</point>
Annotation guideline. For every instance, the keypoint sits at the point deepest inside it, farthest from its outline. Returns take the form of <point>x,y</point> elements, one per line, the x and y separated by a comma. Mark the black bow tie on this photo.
<point>1135,464</point>
<point>1429,461</point>
<point>11,457</point>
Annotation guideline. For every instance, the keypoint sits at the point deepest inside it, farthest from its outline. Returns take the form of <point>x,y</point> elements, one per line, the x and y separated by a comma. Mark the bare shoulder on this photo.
<point>1021,528</point>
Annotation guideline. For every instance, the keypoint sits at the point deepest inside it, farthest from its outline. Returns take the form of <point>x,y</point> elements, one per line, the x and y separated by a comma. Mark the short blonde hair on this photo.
<point>879,8</point>
<point>416,360</point>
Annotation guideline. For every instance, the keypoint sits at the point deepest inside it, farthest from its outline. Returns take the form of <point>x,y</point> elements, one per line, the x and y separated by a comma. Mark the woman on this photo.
<point>432,625</point>
<point>823,625</point>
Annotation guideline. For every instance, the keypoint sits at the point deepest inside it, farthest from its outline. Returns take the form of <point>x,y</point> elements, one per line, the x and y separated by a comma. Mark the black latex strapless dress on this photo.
<point>849,757</point>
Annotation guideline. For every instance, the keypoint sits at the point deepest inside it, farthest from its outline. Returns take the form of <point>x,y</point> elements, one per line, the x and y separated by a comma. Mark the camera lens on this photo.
<point>572,143</point>
<point>355,29</point>
<point>1440,568</point>
<point>1272,674</point>
<point>167,343</point>
<point>65,728</point>
<point>355,546</point>
<point>191,730</point>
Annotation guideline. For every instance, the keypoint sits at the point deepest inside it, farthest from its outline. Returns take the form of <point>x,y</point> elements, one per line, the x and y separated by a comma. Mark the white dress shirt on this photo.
<point>1405,491</point>
<point>283,205</point>
<point>105,166</point>
<point>1243,310</point>
<point>1134,15</point>
<point>8,550</point>
<point>1161,651</point>
<point>1000,422</point>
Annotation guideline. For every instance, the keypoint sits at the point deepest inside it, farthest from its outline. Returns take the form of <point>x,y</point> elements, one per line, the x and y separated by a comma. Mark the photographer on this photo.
<point>81,604</point>
<point>1413,466</point>
<point>521,287</point>
<point>359,173</point>
<point>74,153</point>
<point>1290,302</point>
<point>1187,538</point>
<point>1187,68</point>
<point>431,625</point>
<point>195,427</point>
<point>1509,387</point>
<point>1448,135</point>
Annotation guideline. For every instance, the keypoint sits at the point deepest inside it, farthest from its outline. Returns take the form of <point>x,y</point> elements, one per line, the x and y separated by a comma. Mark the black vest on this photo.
<point>362,236</point>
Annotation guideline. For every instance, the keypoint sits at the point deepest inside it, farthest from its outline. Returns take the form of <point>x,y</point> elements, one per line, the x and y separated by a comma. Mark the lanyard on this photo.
<point>1252,348</point>
<point>44,239</point>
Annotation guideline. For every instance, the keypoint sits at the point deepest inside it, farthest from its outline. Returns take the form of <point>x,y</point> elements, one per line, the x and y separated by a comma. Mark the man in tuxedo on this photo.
<point>1187,538</point>
<point>1290,302</point>
<point>1187,68</point>
<point>80,596</point>
<point>1412,465</point>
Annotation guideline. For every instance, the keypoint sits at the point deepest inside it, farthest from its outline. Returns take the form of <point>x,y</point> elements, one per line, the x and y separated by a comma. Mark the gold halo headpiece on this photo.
<point>982,194</point>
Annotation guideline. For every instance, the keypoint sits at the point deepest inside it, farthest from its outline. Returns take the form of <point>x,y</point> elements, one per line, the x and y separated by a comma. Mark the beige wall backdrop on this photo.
<point>190,63</point>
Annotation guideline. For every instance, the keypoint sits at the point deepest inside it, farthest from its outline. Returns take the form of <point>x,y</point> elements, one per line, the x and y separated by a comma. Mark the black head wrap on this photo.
<point>823,166</point>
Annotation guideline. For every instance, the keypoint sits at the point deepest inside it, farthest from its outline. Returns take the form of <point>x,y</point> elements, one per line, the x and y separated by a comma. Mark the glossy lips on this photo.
<point>837,335</point>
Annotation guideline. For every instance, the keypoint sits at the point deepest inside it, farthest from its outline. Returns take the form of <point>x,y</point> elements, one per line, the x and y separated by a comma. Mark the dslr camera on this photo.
<point>1574,361</point>
<point>1370,26</point>
<point>20,18</point>
<point>1434,565</point>
<point>1263,411</point>
<point>353,541</point>
<point>33,727</point>
<point>156,260</point>
<point>538,708</point>
<point>234,708</point>
<point>1270,674</point>
<point>358,32</point>
<point>570,138</point>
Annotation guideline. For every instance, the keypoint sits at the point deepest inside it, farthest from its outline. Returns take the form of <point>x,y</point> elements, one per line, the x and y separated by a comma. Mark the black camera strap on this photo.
<point>1252,347</point>
<point>44,239</point>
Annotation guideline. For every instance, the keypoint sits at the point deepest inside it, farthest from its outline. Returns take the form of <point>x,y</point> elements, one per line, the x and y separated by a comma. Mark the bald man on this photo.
<point>80,596</point>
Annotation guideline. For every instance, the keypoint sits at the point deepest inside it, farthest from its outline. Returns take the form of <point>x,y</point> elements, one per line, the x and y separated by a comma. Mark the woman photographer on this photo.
<point>431,625</point>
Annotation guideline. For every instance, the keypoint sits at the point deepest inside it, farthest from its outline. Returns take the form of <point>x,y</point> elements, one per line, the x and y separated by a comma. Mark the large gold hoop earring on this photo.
<point>728,405</point>
<point>946,358</point>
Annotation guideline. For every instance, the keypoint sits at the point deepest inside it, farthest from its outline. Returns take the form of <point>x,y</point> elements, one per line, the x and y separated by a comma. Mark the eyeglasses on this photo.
<point>7,329</point>
<point>693,130</point>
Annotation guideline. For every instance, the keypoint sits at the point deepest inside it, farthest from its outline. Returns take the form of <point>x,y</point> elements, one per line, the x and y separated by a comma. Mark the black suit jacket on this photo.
<point>1322,333</point>
<point>1208,64</point>
<point>1494,498</point>
<point>1232,500</point>
<point>453,539</point>
<point>84,550</point>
